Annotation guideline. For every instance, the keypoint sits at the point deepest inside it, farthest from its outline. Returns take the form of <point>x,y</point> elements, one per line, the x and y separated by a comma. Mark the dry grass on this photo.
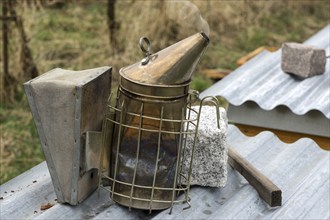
<point>75,36</point>
<point>19,148</point>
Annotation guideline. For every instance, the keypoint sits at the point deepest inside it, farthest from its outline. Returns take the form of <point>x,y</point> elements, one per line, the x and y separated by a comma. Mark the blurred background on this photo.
<point>39,35</point>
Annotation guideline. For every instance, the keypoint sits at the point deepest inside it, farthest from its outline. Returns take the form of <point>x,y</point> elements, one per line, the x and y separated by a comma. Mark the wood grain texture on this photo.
<point>267,190</point>
<point>285,136</point>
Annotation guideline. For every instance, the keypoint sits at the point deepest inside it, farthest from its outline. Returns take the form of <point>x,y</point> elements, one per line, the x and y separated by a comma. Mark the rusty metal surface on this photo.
<point>150,116</point>
<point>300,169</point>
<point>146,147</point>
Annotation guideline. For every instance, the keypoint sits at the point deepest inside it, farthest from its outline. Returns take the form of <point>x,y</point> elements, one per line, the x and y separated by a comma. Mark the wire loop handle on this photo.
<point>215,102</point>
<point>145,46</point>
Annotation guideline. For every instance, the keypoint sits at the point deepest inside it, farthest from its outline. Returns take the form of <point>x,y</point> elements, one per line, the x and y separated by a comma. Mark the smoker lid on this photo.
<point>171,66</point>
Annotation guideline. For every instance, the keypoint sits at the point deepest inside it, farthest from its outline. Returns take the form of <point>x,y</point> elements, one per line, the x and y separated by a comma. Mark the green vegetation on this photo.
<point>19,141</point>
<point>74,35</point>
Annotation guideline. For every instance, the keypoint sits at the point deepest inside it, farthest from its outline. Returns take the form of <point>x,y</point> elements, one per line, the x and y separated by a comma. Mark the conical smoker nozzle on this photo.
<point>171,66</point>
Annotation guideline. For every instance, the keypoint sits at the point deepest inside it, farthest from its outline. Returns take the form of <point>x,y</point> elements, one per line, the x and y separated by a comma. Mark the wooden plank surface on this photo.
<point>267,190</point>
<point>285,136</point>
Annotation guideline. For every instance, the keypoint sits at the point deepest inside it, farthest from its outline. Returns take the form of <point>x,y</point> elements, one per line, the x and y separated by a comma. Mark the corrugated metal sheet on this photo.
<point>300,169</point>
<point>262,81</point>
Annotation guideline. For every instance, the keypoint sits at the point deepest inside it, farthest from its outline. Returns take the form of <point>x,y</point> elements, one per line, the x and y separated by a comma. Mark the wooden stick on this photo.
<point>5,51</point>
<point>267,190</point>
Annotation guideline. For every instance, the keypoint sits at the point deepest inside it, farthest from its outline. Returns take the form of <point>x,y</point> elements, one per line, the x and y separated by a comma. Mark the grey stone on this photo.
<point>302,60</point>
<point>209,167</point>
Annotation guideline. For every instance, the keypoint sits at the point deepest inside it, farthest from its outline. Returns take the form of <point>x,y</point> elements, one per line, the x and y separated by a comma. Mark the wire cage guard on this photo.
<point>147,152</point>
<point>147,127</point>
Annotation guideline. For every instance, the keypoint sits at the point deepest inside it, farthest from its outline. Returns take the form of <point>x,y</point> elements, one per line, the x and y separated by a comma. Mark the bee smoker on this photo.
<point>148,126</point>
<point>136,145</point>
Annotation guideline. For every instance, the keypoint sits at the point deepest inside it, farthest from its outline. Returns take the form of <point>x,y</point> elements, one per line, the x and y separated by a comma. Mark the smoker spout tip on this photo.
<point>207,39</point>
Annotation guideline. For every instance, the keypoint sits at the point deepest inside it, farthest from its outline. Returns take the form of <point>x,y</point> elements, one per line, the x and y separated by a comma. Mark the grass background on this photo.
<point>73,35</point>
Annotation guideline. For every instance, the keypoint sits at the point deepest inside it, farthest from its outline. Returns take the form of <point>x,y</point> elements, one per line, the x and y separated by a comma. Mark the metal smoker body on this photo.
<point>149,125</point>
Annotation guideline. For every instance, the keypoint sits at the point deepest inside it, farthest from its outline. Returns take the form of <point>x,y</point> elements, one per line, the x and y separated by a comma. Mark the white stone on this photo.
<point>209,166</point>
